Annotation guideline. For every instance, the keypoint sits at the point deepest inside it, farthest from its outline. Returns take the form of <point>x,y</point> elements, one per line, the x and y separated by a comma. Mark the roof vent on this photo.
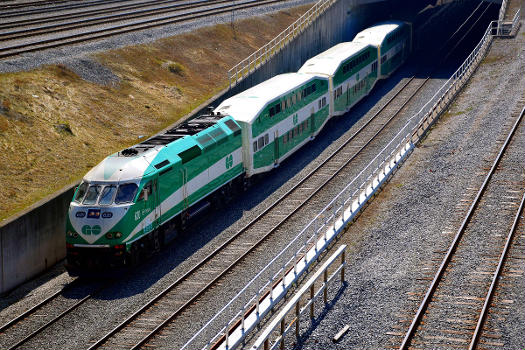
<point>129,152</point>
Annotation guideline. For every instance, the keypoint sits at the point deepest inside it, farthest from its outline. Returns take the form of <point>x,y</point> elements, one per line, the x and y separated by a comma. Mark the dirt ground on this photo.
<point>55,126</point>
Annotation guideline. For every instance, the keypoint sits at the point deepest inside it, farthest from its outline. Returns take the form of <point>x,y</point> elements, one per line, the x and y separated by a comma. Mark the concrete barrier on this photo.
<point>34,240</point>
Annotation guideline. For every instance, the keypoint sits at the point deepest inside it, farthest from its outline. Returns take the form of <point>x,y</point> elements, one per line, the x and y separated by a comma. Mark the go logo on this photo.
<point>295,119</point>
<point>229,161</point>
<point>91,230</point>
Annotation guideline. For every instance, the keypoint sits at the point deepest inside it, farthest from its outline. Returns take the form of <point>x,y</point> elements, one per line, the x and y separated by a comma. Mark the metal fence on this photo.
<point>262,55</point>
<point>308,244</point>
<point>295,303</point>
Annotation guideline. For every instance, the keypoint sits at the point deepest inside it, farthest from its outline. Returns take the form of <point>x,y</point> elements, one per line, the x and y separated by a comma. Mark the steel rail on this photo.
<point>79,14</point>
<point>56,318</point>
<point>233,238</point>
<point>31,3</point>
<point>271,231</point>
<point>193,270</point>
<point>126,28</point>
<point>79,4</point>
<point>89,22</point>
<point>437,277</point>
<point>26,313</point>
<point>497,274</point>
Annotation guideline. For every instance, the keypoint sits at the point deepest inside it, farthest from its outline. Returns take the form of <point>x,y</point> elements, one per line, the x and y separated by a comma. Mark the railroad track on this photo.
<point>103,27</point>
<point>7,31</point>
<point>46,313</point>
<point>456,303</point>
<point>152,317</point>
<point>146,323</point>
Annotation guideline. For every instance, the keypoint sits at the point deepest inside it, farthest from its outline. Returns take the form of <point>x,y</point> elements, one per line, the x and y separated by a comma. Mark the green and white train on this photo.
<point>137,199</point>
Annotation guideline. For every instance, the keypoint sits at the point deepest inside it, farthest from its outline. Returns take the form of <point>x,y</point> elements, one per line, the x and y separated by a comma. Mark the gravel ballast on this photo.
<point>398,241</point>
<point>369,295</point>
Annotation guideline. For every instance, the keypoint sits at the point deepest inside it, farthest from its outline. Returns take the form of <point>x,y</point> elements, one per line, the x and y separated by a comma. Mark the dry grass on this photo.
<point>55,126</point>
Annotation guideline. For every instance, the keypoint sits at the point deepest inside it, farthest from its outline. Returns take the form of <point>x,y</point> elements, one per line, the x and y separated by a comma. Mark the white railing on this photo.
<point>285,268</point>
<point>295,302</point>
<point>502,10</point>
<point>262,55</point>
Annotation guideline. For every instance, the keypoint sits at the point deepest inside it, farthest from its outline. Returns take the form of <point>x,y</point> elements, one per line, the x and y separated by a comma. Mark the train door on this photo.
<point>276,147</point>
<point>312,122</point>
<point>148,203</point>
<point>184,177</point>
<point>347,94</point>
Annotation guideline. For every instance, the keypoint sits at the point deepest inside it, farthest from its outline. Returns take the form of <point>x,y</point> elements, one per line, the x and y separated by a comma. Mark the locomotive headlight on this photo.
<point>111,235</point>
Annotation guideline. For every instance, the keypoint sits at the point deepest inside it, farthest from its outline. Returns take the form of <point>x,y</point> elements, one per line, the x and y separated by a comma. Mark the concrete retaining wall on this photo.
<point>34,240</point>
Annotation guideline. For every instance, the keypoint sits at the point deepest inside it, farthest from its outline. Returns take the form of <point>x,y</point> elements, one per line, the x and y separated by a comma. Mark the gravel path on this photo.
<point>397,242</point>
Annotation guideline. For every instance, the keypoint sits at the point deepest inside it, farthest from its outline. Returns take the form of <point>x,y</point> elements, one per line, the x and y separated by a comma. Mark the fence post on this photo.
<point>312,293</point>
<point>325,291</point>
<point>343,266</point>
<point>282,334</point>
<point>297,316</point>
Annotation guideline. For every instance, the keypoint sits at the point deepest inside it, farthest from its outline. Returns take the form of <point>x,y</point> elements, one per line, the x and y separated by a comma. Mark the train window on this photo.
<point>146,188</point>
<point>319,103</point>
<point>106,198</point>
<point>81,192</point>
<point>324,101</point>
<point>293,98</point>
<point>290,134</point>
<point>277,108</point>
<point>254,146</point>
<point>285,138</point>
<point>298,96</point>
<point>126,193</point>
<point>266,139</point>
<point>272,112</point>
<point>383,59</point>
<point>314,88</point>
<point>92,194</point>
<point>260,142</point>
<point>374,66</point>
<point>283,105</point>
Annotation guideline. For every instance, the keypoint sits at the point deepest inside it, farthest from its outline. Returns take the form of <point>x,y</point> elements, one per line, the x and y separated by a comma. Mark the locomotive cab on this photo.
<point>109,211</point>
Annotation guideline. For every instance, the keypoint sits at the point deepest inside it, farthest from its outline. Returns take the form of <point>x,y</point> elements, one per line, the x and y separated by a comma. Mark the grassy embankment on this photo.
<point>54,126</point>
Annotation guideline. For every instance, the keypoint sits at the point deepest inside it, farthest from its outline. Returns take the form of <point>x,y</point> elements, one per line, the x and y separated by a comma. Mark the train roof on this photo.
<point>376,34</point>
<point>162,150</point>
<point>246,106</point>
<point>117,168</point>
<point>328,62</point>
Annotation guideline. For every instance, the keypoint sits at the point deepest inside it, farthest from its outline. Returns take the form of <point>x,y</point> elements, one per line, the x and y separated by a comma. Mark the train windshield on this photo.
<point>106,198</point>
<point>92,194</point>
<point>126,193</point>
<point>81,192</point>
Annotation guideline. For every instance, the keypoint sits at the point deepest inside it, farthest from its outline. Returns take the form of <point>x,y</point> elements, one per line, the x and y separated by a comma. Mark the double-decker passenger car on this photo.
<point>393,40</point>
<point>351,69</point>
<point>277,117</point>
